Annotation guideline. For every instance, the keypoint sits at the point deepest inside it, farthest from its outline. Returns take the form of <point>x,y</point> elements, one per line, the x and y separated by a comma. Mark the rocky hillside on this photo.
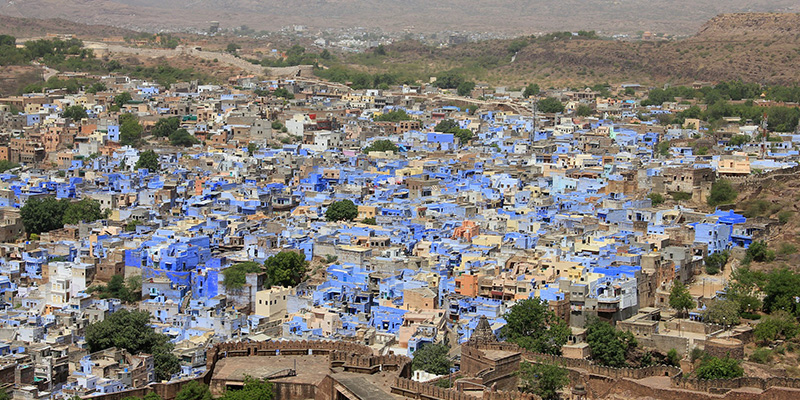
<point>762,48</point>
<point>508,16</point>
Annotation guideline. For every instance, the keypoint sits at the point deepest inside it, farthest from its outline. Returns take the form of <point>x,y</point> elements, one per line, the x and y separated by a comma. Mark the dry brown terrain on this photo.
<point>762,48</point>
<point>508,16</point>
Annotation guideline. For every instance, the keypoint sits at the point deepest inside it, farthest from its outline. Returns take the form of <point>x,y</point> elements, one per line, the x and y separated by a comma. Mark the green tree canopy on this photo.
<point>719,368</point>
<point>758,251</point>
<point>448,80</point>
<point>6,165</point>
<point>679,297</point>
<point>122,99</point>
<point>86,210</point>
<point>531,90</point>
<point>721,193</point>
<point>234,277</point>
<point>780,324</point>
<point>544,380</point>
<point>165,127</point>
<point>194,391</point>
<point>607,345</point>
<point>130,132</point>
<point>287,268</point>
<point>657,199</point>
<point>394,116</point>
<point>253,389</point>
<point>342,210</point>
<point>716,262</point>
<point>44,215</point>
<point>75,113</point>
<point>182,138</point>
<point>583,110</point>
<point>465,88</point>
<point>550,105</point>
<point>432,358</point>
<point>148,159</point>
<point>532,325</point>
<point>723,312</point>
<point>781,291</point>
<point>130,330</point>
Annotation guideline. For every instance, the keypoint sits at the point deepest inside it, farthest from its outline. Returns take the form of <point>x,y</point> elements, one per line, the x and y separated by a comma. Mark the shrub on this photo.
<point>761,355</point>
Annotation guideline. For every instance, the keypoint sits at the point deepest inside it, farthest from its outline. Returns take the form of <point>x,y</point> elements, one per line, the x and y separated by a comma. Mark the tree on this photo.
<point>148,159</point>
<point>86,210</point>
<point>607,345</point>
<point>251,148</point>
<point>448,80</point>
<point>369,221</point>
<point>75,113</point>
<point>758,251</point>
<point>394,116</point>
<point>722,312</point>
<point>781,291</point>
<point>679,297</point>
<point>283,93</point>
<point>531,90</point>
<point>43,215</point>
<point>583,110</point>
<point>738,140</point>
<point>194,391</point>
<point>673,358</point>
<point>182,138</point>
<point>232,48</point>
<point>253,389</point>
<point>465,88</point>
<point>779,324</point>
<point>544,380</point>
<point>550,105</point>
<point>656,199</point>
<point>130,132</point>
<point>122,99</point>
<point>432,358</point>
<point>721,193</point>
<point>165,127</point>
<point>234,277</point>
<point>287,268</point>
<point>532,325</point>
<point>716,262</point>
<point>343,210</point>
<point>719,368</point>
<point>130,330</point>
<point>6,165</point>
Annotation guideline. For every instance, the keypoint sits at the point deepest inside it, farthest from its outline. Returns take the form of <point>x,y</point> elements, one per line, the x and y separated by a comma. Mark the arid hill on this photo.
<point>508,16</point>
<point>762,48</point>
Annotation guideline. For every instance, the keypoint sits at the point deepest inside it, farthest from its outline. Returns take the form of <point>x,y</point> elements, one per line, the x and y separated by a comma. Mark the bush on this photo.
<point>680,196</point>
<point>784,216</point>
<point>719,368</point>
<point>656,198</point>
<point>432,358</point>
<point>716,262</point>
<point>234,277</point>
<point>696,354</point>
<point>343,210</point>
<point>758,251</point>
<point>761,355</point>
<point>787,249</point>
<point>721,193</point>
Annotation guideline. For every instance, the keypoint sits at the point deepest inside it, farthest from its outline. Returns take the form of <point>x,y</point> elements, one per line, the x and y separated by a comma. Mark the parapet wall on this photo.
<point>717,385</point>
<point>424,390</point>
<point>611,372</point>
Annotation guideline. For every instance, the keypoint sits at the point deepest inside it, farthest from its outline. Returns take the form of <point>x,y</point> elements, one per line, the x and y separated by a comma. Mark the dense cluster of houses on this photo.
<point>448,231</point>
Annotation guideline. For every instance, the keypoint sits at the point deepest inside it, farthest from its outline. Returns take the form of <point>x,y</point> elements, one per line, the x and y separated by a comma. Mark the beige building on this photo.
<point>271,303</point>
